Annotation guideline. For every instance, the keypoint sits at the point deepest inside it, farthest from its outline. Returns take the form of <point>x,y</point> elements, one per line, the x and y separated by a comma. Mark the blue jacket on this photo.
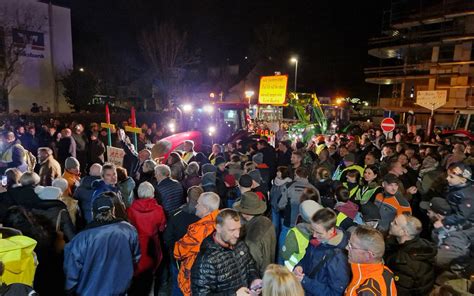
<point>99,187</point>
<point>335,275</point>
<point>100,259</point>
<point>83,194</point>
<point>169,194</point>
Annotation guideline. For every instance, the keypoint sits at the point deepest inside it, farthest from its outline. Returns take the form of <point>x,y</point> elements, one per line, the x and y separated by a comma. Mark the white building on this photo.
<point>43,34</point>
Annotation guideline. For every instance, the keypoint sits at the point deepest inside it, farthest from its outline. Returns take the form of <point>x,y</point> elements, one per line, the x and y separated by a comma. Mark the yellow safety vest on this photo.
<point>365,194</point>
<point>340,217</point>
<point>303,242</point>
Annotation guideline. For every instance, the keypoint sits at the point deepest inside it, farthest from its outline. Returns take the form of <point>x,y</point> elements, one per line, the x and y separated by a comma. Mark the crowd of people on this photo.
<point>340,215</point>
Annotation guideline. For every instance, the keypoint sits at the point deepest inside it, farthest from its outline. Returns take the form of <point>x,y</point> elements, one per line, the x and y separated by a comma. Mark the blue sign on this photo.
<point>24,37</point>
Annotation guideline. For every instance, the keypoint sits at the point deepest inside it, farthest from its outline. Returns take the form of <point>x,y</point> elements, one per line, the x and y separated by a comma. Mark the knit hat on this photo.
<point>219,160</point>
<point>245,181</point>
<point>208,168</point>
<point>349,157</point>
<point>250,204</point>
<point>71,163</point>
<point>208,179</point>
<point>256,176</point>
<point>438,205</point>
<point>308,208</point>
<point>258,158</point>
<point>48,192</point>
<point>229,180</point>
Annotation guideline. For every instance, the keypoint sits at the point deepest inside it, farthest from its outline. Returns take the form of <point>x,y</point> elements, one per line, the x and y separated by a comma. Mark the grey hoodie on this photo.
<point>293,193</point>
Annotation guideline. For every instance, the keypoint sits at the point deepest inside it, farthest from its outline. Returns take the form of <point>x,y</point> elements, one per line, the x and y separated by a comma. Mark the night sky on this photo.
<point>329,37</point>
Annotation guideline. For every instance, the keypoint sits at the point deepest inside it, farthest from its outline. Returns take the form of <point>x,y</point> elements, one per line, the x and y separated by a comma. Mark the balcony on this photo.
<point>412,13</point>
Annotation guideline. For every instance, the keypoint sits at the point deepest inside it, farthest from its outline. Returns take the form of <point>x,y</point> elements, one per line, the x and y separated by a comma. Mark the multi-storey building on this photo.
<point>425,45</point>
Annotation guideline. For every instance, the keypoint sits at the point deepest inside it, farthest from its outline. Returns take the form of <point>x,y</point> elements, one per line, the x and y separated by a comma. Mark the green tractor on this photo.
<point>312,120</point>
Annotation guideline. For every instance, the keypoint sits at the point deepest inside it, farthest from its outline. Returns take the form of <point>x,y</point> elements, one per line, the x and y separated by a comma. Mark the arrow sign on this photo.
<point>387,125</point>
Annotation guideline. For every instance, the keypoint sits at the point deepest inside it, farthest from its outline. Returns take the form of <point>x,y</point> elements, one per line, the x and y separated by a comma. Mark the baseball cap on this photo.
<point>438,205</point>
<point>102,203</point>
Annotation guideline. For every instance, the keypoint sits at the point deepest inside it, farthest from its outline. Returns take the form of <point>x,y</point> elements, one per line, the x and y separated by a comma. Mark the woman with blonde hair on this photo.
<point>279,281</point>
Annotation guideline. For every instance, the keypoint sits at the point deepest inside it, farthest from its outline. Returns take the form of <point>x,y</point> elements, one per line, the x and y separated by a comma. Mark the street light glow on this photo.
<point>249,94</point>
<point>294,60</point>
<point>187,107</point>
<point>208,108</point>
<point>81,69</point>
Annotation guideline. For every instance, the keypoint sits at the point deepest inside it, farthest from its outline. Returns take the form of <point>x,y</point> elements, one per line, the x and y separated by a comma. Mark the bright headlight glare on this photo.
<point>208,108</point>
<point>187,107</point>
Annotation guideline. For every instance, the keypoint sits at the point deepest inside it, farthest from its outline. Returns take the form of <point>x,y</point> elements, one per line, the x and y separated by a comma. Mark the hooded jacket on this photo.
<point>291,194</point>
<point>389,207</point>
<point>149,219</point>
<point>334,275</point>
<point>276,191</point>
<point>461,199</point>
<point>261,239</point>
<point>187,248</point>
<point>371,279</point>
<point>412,264</point>
<point>83,194</point>
<point>126,189</point>
<point>100,259</point>
<point>49,170</point>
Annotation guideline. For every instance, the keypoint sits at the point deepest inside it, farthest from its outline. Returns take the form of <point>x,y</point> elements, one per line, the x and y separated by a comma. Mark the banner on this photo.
<point>273,90</point>
<point>431,99</point>
<point>115,155</point>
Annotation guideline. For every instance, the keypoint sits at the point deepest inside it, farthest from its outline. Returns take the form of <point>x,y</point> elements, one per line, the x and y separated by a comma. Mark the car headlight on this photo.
<point>187,107</point>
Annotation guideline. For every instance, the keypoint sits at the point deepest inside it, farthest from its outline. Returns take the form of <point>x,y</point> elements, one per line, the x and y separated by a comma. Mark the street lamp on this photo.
<point>81,69</point>
<point>249,94</point>
<point>295,61</point>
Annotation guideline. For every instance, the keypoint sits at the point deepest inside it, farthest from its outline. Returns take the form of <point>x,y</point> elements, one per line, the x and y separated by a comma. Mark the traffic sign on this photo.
<point>387,125</point>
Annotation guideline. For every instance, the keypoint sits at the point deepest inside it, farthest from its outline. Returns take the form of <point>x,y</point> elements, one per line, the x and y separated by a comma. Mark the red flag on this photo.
<point>134,119</point>
<point>107,113</point>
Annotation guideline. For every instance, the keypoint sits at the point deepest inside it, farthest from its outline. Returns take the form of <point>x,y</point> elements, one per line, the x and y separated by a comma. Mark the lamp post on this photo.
<point>295,61</point>
<point>249,94</point>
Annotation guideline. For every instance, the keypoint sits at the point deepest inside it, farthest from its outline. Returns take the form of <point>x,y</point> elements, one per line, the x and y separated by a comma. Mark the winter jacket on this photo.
<point>371,279</point>
<point>389,208</point>
<point>100,186</point>
<point>296,242</point>
<point>412,264</point>
<point>130,160</point>
<point>334,275</point>
<point>149,219</point>
<point>177,225</point>
<point>66,148</point>
<point>126,188</point>
<point>14,156</point>
<point>84,194</point>
<point>170,194</point>
<point>222,271</point>
<point>49,170</point>
<point>367,193</point>
<point>461,199</point>
<point>260,237</point>
<point>95,153</point>
<point>326,192</point>
<point>452,242</point>
<point>19,259</point>
<point>100,259</point>
<point>235,169</point>
<point>291,193</point>
<point>187,248</point>
<point>190,181</point>
<point>54,210</point>
<point>72,181</point>
<point>24,196</point>
<point>177,170</point>
<point>72,207</point>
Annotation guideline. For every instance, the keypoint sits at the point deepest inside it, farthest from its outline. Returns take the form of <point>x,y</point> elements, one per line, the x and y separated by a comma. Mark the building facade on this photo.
<point>35,51</point>
<point>425,45</point>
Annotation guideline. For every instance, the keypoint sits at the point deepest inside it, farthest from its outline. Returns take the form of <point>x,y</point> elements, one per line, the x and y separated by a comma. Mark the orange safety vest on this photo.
<point>371,279</point>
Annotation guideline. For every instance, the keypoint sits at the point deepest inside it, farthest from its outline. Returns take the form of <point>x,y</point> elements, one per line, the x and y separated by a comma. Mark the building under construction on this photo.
<point>425,45</point>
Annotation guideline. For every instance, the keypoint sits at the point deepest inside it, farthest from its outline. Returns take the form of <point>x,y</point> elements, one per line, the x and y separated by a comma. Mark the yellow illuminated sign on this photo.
<point>273,90</point>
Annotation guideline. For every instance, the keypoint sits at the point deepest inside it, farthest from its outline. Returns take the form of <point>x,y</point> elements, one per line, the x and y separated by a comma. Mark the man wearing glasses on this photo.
<point>369,275</point>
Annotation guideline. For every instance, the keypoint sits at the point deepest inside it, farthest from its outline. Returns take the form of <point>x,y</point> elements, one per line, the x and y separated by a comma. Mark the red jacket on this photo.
<point>149,219</point>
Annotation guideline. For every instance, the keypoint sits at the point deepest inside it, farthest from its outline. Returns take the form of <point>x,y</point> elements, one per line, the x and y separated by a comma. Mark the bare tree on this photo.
<point>269,42</point>
<point>19,18</point>
<point>164,47</point>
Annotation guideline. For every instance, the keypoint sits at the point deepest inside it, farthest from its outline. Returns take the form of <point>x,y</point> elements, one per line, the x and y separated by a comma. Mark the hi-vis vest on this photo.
<point>7,155</point>
<point>187,156</point>
<point>354,191</point>
<point>365,194</point>
<point>16,253</point>
<point>320,148</point>
<point>303,242</point>
<point>338,173</point>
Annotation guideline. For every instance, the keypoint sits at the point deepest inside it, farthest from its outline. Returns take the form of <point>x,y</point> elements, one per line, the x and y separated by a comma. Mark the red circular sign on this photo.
<point>387,124</point>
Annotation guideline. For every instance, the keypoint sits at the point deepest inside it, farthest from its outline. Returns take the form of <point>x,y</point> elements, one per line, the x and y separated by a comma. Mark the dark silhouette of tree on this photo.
<point>79,89</point>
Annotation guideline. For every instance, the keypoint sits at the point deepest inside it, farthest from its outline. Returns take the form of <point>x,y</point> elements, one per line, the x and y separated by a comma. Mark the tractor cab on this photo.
<point>463,124</point>
<point>217,121</point>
